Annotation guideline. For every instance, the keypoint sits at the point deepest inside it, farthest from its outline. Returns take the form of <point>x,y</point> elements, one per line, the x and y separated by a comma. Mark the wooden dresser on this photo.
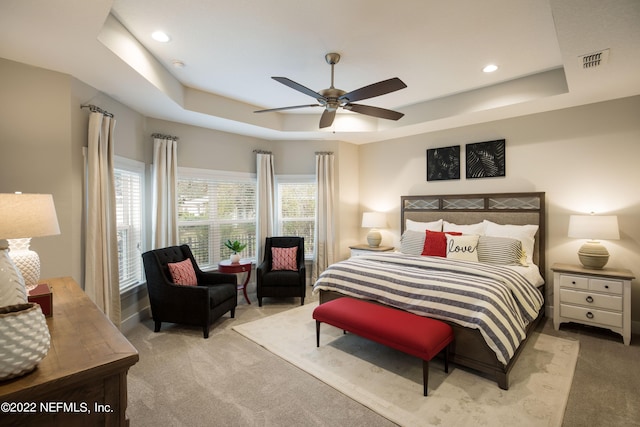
<point>83,379</point>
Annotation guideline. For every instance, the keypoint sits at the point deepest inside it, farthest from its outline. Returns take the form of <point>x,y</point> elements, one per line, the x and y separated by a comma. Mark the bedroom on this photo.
<point>582,157</point>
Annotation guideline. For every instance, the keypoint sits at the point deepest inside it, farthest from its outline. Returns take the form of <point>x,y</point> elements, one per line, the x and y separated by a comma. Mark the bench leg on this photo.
<point>425,374</point>
<point>318,333</point>
<point>446,358</point>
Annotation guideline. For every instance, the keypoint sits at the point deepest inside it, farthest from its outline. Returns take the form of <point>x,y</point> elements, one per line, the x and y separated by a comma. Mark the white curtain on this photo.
<point>325,204</point>
<point>265,198</point>
<point>101,279</point>
<point>165,199</point>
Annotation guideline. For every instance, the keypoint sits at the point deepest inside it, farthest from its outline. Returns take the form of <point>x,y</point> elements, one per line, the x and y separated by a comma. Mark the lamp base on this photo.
<point>374,238</point>
<point>27,261</point>
<point>593,255</point>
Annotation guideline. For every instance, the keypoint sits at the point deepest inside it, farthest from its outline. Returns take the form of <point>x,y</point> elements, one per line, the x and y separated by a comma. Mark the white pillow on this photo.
<point>423,226</point>
<point>464,229</point>
<point>524,233</point>
<point>462,247</point>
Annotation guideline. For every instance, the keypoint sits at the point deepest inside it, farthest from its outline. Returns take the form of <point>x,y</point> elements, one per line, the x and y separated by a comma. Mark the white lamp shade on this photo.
<point>594,227</point>
<point>27,215</point>
<point>374,220</point>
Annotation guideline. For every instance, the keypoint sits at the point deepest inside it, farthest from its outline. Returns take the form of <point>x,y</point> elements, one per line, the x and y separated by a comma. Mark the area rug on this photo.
<point>390,382</point>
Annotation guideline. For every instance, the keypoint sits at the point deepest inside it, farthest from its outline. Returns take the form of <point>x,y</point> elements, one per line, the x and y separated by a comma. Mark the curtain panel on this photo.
<point>325,253</point>
<point>101,278</point>
<point>165,192</point>
<point>265,201</point>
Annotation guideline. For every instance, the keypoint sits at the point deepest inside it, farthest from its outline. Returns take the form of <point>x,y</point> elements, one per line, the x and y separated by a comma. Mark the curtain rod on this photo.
<point>320,153</point>
<point>163,136</point>
<point>262,152</point>
<point>95,109</point>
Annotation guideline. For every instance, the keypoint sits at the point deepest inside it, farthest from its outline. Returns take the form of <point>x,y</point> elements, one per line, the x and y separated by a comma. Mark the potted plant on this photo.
<point>235,247</point>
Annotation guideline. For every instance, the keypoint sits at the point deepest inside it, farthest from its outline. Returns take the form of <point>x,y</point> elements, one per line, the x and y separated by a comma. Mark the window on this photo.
<point>214,207</point>
<point>296,210</point>
<point>129,179</point>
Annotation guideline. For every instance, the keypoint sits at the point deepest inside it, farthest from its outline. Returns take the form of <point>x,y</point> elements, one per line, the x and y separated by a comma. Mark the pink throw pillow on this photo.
<point>183,273</point>
<point>284,258</point>
<point>435,243</point>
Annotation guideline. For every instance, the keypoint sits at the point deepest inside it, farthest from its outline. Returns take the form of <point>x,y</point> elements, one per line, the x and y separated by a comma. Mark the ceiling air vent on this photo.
<point>595,59</point>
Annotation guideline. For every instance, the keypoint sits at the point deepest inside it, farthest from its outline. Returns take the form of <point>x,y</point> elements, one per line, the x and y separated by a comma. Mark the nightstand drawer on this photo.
<point>607,302</point>
<point>610,286</point>
<point>586,315</point>
<point>575,282</point>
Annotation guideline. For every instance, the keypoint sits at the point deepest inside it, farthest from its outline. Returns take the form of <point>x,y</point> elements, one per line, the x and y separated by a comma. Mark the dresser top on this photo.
<point>618,273</point>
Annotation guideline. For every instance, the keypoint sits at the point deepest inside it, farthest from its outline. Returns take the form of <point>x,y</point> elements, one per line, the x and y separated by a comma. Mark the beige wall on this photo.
<point>583,158</point>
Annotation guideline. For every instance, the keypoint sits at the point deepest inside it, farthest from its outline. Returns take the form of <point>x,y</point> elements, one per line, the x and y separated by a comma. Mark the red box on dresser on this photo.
<point>42,295</point>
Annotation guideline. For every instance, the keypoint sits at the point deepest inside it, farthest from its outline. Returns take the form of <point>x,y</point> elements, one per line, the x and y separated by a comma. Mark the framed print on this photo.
<point>486,159</point>
<point>443,163</point>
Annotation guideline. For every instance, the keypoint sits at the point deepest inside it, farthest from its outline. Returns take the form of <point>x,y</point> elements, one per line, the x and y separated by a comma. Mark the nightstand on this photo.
<point>593,297</point>
<point>366,249</point>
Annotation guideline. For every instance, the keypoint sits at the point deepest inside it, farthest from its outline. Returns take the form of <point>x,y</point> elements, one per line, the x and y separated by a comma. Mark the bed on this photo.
<point>416,280</point>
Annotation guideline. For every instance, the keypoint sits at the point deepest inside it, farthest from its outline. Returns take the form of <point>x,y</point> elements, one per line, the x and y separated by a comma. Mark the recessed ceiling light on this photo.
<point>490,68</point>
<point>160,36</point>
<point>177,63</point>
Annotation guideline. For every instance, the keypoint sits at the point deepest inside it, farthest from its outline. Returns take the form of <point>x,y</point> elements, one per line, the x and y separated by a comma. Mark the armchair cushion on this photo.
<point>284,258</point>
<point>182,273</point>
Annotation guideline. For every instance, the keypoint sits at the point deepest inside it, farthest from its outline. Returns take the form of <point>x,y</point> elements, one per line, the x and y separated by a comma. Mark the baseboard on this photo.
<point>127,325</point>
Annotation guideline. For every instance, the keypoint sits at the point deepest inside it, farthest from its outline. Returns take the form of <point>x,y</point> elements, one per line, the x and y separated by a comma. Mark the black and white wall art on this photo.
<point>485,159</point>
<point>443,163</point>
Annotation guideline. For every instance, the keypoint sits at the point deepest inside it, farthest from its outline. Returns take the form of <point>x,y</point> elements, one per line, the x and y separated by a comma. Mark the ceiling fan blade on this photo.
<point>327,118</point>
<point>374,111</point>
<point>297,86</point>
<point>375,89</point>
<point>287,108</point>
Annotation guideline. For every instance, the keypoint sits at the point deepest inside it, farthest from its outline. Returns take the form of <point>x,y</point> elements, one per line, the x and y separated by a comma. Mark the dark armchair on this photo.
<point>281,283</point>
<point>200,305</point>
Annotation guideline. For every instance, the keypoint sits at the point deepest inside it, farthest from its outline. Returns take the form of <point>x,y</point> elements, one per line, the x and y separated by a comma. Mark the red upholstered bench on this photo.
<point>407,332</point>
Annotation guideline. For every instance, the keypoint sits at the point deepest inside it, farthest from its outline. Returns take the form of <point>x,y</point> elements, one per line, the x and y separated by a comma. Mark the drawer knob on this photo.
<point>589,298</point>
<point>573,282</point>
<point>589,315</point>
<point>606,286</point>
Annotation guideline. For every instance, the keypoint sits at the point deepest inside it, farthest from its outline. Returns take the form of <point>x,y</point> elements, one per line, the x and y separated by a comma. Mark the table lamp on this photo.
<point>594,227</point>
<point>374,221</point>
<point>23,216</point>
<point>24,333</point>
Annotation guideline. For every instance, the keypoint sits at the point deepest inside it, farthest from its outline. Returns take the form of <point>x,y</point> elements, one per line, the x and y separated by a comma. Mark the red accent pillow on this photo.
<point>435,243</point>
<point>284,258</point>
<point>182,273</point>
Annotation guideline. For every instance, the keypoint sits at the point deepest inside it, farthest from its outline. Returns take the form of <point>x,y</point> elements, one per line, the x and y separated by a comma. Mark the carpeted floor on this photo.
<point>184,380</point>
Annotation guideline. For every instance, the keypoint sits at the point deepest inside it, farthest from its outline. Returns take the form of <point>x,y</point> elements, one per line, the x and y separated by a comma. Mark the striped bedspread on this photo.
<point>493,299</point>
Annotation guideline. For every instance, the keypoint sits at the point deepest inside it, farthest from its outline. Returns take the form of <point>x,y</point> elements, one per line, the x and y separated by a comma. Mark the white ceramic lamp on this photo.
<point>374,221</point>
<point>594,227</point>
<point>23,216</point>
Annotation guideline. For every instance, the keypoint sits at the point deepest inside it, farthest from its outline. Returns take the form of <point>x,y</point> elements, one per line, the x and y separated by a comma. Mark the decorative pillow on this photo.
<point>435,243</point>
<point>182,273</point>
<point>462,247</point>
<point>500,250</point>
<point>423,226</point>
<point>524,233</point>
<point>477,229</point>
<point>284,258</point>
<point>411,242</point>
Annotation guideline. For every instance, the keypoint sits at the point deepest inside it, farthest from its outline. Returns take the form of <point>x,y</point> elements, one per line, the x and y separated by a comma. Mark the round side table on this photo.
<point>226,266</point>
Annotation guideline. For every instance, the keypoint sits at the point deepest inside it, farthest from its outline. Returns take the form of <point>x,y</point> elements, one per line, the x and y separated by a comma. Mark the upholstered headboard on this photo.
<point>501,208</point>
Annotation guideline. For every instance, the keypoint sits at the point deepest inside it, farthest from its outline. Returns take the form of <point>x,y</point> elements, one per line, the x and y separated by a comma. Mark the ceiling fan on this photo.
<point>332,98</point>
